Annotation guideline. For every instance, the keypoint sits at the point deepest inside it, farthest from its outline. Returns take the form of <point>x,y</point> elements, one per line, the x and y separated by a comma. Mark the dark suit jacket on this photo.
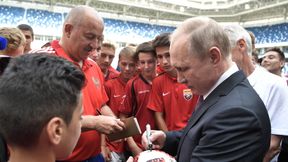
<point>232,124</point>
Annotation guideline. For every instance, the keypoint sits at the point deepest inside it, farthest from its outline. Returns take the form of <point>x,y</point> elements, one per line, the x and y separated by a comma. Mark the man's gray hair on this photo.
<point>237,32</point>
<point>202,34</point>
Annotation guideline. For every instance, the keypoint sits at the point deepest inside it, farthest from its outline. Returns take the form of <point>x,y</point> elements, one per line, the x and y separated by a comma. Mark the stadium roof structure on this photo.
<point>173,11</point>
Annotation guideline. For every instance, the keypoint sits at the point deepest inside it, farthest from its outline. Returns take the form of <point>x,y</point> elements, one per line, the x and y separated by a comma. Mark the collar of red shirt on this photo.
<point>60,52</point>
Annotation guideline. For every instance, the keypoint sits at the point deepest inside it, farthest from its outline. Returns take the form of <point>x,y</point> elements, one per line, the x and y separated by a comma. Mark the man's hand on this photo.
<point>101,123</point>
<point>157,138</point>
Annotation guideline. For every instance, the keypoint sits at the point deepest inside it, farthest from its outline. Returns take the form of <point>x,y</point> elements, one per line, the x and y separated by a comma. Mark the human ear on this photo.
<point>55,129</point>
<point>214,55</point>
<point>282,63</point>
<point>68,29</point>
<point>241,43</point>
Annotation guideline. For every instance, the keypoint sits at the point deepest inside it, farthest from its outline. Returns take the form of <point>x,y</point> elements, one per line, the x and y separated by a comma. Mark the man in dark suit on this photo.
<point>231,124</point>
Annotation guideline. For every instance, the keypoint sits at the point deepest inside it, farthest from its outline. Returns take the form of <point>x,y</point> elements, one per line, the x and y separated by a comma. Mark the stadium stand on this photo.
<point>48,23</point>
<point>44,22</point>
<point>11,16</point>
<point>271,33</point>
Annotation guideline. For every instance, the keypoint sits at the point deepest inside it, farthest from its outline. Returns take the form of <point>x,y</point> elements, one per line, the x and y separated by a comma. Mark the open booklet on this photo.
<point>131,128</point>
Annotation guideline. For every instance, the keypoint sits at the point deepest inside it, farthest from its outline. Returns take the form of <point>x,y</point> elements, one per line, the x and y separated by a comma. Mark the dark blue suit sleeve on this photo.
<point>172,141</point>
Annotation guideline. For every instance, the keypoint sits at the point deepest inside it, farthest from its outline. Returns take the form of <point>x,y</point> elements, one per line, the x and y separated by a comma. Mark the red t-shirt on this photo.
<point>94,96</point>
<point>115,89</point>
<point>174,99</point>
<point>112,73</point>
<point>144,116</point>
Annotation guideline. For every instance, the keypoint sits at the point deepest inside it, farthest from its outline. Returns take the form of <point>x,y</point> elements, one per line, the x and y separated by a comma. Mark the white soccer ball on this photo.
<point>154,156</point>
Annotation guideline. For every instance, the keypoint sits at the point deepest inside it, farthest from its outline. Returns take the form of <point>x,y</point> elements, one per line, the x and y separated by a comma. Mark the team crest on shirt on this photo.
<point>187,94</point>
<point>96,82</point>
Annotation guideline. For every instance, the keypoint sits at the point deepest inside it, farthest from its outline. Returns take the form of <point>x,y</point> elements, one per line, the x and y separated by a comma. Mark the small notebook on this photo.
<point>131,128</point>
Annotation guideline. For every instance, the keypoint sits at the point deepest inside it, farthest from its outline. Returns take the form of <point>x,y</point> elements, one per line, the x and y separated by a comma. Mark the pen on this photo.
<point>148,133</point>
<point>98,112</point>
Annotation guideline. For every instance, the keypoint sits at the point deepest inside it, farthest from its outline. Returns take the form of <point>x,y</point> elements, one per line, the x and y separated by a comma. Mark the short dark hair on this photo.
<point>26,27</point>
<point>162,40</point>
<point>128,52</point>
<point>279,51</point>
<point>108,45</point>
<point>145,47</point>
<point>33,89</point>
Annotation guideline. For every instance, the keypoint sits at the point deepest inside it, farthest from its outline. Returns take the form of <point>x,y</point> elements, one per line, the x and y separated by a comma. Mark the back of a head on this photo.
<point>15,39</point>
<point>162,40</point>
<point>33,89</point>
<point>26,27</point>
<point>237,32</point>
<point>203,33</point>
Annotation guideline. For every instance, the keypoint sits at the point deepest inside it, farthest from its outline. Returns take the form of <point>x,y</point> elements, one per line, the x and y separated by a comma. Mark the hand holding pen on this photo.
<point>148,134</point>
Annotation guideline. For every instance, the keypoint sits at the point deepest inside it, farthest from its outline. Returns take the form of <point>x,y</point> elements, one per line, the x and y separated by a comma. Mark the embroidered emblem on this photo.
<point>187,94</point>
<point>96,82</point>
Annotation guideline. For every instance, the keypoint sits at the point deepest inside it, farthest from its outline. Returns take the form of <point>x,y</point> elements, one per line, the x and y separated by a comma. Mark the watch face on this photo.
<point>154,156</point>
<point>3,63</point>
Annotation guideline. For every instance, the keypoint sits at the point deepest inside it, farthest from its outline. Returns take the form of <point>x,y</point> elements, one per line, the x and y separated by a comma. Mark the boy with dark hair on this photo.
<point>29,35</point>
<point>104,60</point>
<point>137,94</point>
<point>171,102</point>
<point>274,60</point>
<point>41,107</point>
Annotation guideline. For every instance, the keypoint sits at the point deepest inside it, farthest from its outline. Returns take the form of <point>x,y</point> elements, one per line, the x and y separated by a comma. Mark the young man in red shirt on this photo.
<point>115,89</point>
<point>104,60</point>
<point>137,94</point>
<point>172,102</point>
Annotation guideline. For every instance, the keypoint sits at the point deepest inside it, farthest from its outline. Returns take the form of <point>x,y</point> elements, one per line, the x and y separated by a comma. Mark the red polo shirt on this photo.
<point>144,116</point>
<point>115,89</point>
<point>112,73</point>
<point>173,99</point>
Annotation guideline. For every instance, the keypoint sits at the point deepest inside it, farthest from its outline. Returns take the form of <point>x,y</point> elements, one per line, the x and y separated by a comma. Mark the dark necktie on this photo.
<point>199,102</point>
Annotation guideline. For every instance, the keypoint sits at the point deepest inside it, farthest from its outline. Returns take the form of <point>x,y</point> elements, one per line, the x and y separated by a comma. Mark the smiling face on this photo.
<point>84,38</point>
<point>272,62</point>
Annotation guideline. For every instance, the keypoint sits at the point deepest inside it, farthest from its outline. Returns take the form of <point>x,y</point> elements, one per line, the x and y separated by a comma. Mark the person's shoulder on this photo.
<point>93,64</point>
<point>133,80</point>
<point>270,78</point>
<point>160,77</point>
<point>112,70</point>
<point>111,82</point>
<point>49,50</point>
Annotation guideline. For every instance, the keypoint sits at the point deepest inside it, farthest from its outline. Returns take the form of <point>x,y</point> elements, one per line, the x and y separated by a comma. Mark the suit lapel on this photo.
<point>222,90</point>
